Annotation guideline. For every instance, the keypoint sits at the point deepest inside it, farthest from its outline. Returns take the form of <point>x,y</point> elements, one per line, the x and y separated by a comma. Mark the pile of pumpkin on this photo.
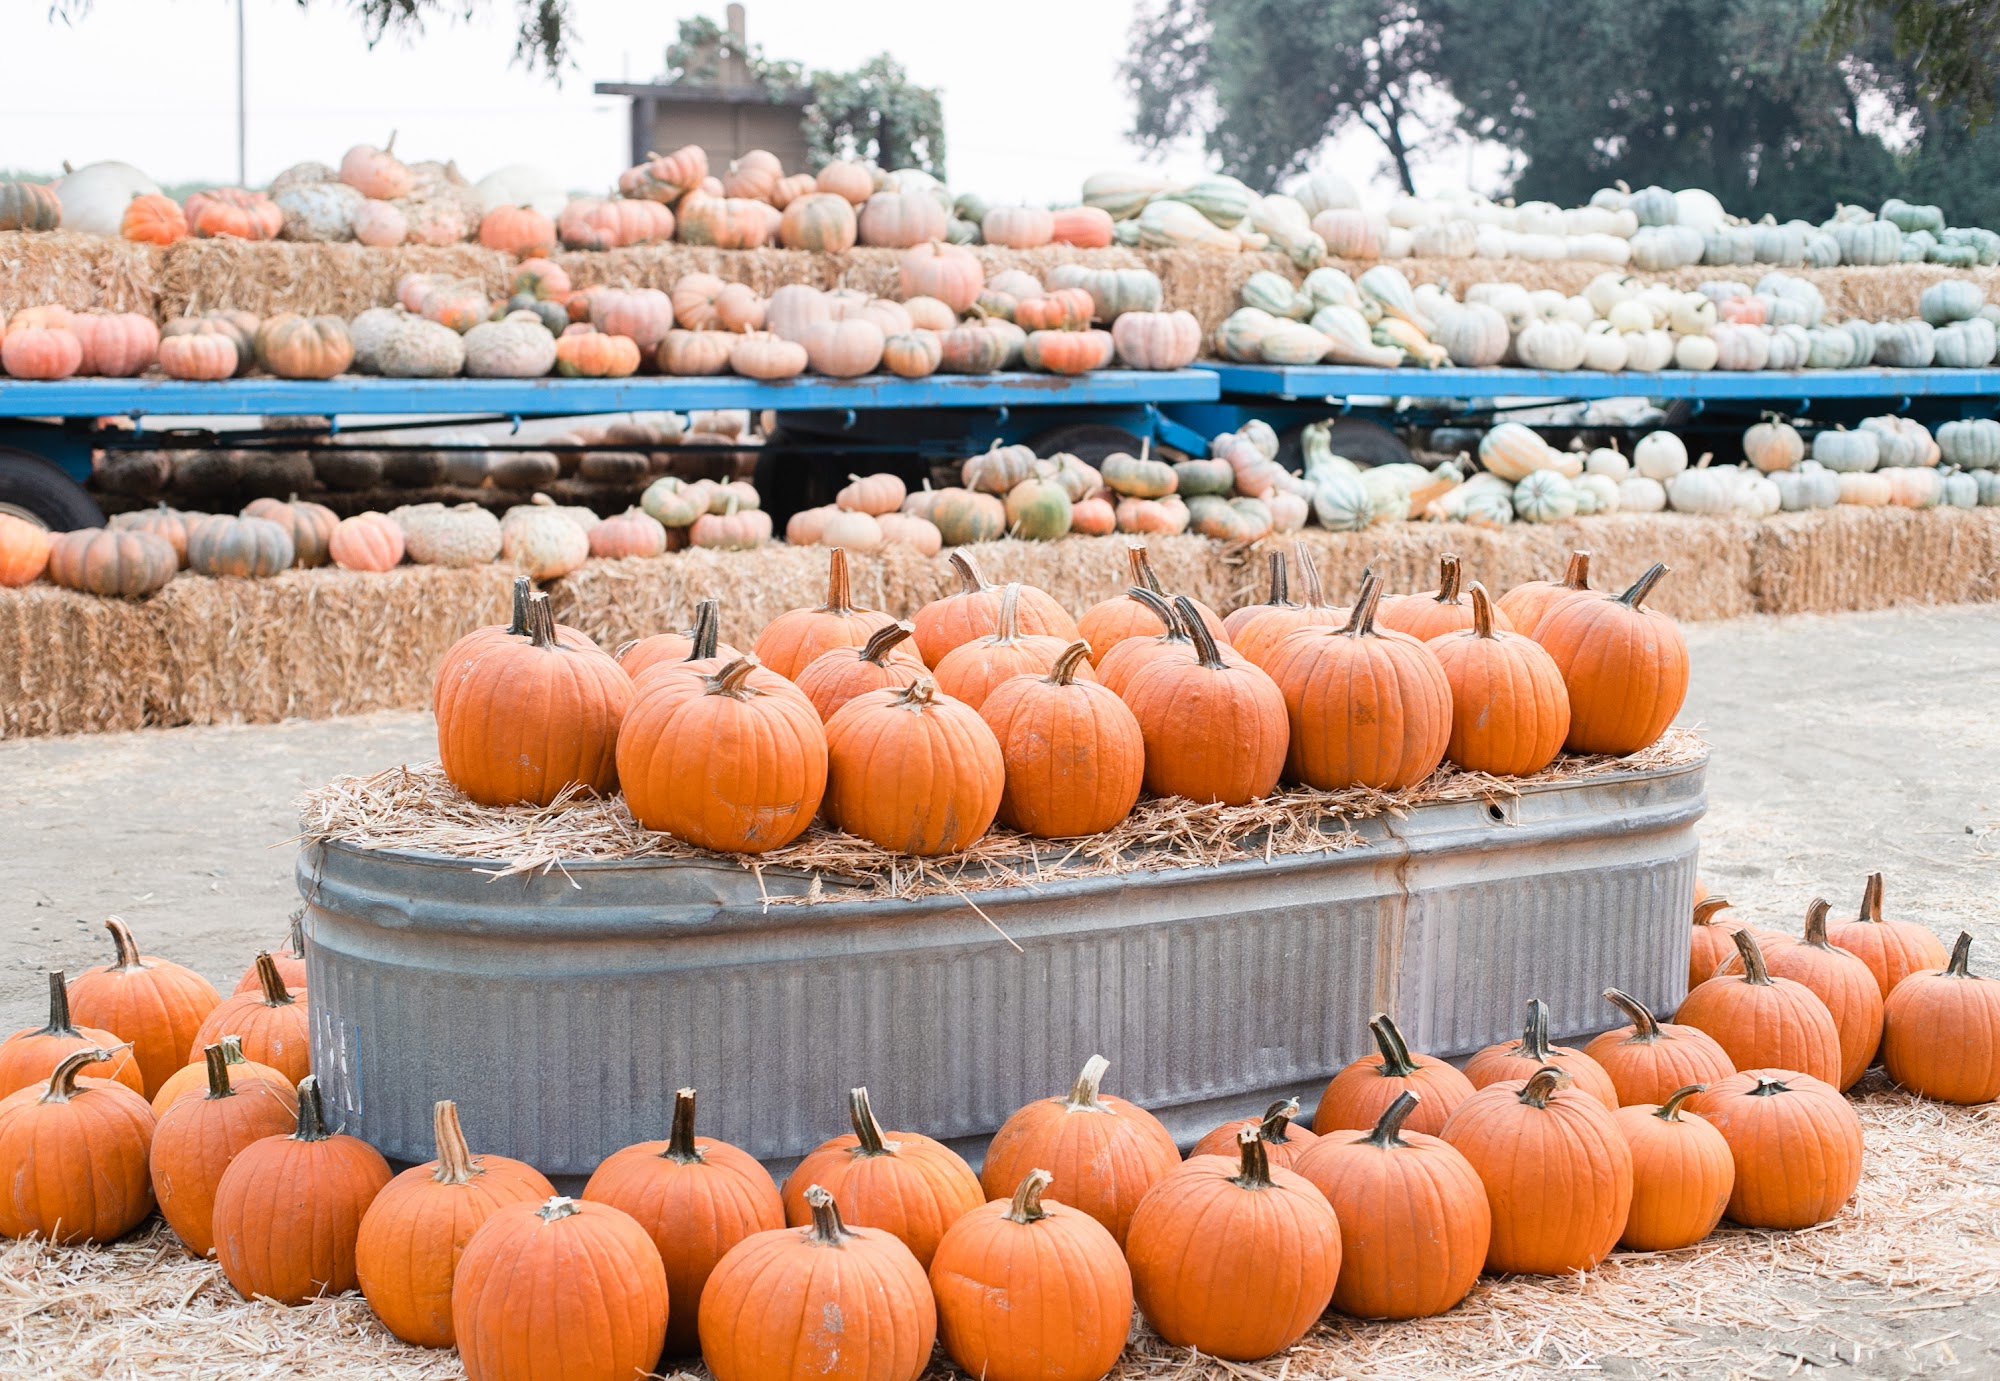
<point>1414,1177</point>
<point>1615,324</point>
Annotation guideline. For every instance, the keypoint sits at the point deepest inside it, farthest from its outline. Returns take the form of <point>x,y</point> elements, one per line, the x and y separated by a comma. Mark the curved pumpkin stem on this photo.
<point>1645,1026</point>
<point>1083,1094</point>
<point>1276,1124</point>
<point>1141,567</point>
<point>1361,622</point>
<point>1448,574</point>
<point>681,1147</point>
<point>271,983</point>
<point>1705,909</point>
<point>867,1130</point>
<point>557,1209</point>
<point>541,623</point>
<point>1389,1126</point>
<point>1007,628</point>
<point>517,626</point>
<point>1206,652</point>
<point>1280,596</point>
<point>1482,612</point>
<point>1815,932</point>
<point>128,960</point>
<point>1063,672</point>
<point>62,1080</point>
<point>1577,575</point>
<point>1396,1061</point>
<point>827,1229</point>
<point>1162,611</point>
<point>312,1112</point>
<point>1871,899</point>
<point>454,1157</point>
<point>702,634</point>
<point>1961,957</point>
<point>970,581</point>
<point>295,934</point>
<point>883,639</point>
<point>1542,1086</point>
<point>838,600</point>
<point>1309,581</point>
<point>60,1021</point>
<point>1535,1032</point>
<point>1670,1111</point>
<point>1643,586</point>
<point>1256,1171</point>
<point>734,679</point>
<point>1027,1205</point>
<point>1753,957</point>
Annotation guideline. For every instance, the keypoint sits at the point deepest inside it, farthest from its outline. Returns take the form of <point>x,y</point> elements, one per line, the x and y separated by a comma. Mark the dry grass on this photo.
<point>77,271</point>
<point>280,276</point>
<point>1917,1237</point>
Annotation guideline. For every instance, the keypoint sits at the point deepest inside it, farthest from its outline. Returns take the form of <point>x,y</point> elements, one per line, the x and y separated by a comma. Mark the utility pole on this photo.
<point>242,123</point>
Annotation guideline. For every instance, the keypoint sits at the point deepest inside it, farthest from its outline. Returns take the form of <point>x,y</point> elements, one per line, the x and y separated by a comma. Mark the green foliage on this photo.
<point>702,45</point>
<point>877,114</point>
<point>1952,45</point>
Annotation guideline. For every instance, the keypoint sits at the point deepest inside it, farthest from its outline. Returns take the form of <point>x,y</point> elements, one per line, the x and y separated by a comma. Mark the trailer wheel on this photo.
<point>1364,443</point>
<point>1089,442</point>
<point>38,490</point>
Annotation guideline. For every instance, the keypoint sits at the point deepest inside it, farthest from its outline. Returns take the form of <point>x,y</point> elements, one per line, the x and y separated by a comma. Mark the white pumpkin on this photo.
<point>523,184</point>
<point>1703,489</point>
<point>1867,489</point>
<point>1544,497</point>
<point>542,540</point>
<point>319,212</point>
<point>1913,486</point>
<point>1630,315</point>
<point>1641,494</point>
<point>1604,350</point>
<point>1773,445</point>
<point>1648,350</point>
<point>1697,353</point>
<point>1692,315</point>
<point>516,348</point>
<point>414,347</point>
<point>94,197</point>
<point>1607,462</point>
<point>1326,190</point>
<point>1599,249</point>
<point>1810,485</point>
<point>1550,343</point>
<point>1659,455</point>
<point>1595,494</point>
<point>1607,290</point>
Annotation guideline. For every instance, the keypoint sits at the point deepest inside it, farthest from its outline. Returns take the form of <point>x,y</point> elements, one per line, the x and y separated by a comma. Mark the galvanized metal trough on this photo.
<point>561,1010</point>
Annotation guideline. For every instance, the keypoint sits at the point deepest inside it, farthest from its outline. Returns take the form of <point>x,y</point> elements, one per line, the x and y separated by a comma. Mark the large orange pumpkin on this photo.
<point>1214,725</point>
<point>1765,1022</point>
<point>1108,1152</point>
<point>270,1022</point>
<point>1529,602</point>
<point>288,1208</point>
<point>696,1197</point>
<point>1509,708</point>
<point>1796,1143</point>
<point>155,1004</point>
<point>1075,757</point>
<point>198,1136</point>
<point>1626,667</point>
<point>1520,1059</point>
<point>1557,1171</point>
<point>416,1229</point>
<point>913,770</point>
<point>1682,1174</point>
<point>191,1079</point>
<point>1356,1098</point>
<point>974,612</point>
<point>1650,1059</point>
<point>836,676</point>
<point>1941,1029</point>
<point>1232,1257</point>
<point>1839,979</point>
<point>31,1054</point>
<point>1892,950</point>
<point>789,642</point>
<point>73,1157</point>
<point>1109,622</point>
<point>770,1304</point>
<point>1284,1140</point>
<point>902,1182</point>
<point>1414,1222</point>
<point>1030,1289</point>
<point>972,670</point>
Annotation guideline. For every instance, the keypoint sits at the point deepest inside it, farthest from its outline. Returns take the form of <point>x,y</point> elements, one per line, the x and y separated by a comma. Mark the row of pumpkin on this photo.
<point>1649,1136</point>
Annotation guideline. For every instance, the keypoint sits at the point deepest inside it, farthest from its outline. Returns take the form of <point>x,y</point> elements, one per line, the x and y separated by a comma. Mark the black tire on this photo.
<point>1089,442</point>
<point>1364,443</point>
<point>34,488</point>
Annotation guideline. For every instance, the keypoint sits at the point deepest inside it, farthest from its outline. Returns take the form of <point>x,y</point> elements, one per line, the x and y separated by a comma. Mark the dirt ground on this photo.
<point>1841,744</point>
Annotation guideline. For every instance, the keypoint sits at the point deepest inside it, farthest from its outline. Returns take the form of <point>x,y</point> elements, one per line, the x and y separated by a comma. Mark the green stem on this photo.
<point>1670,1111</point>
<point>1396,1061</point>
<point>1389,1126</point>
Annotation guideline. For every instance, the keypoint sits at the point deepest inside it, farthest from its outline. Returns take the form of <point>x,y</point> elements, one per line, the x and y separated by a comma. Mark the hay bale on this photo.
<point>1852,558</point>
<point>73,663</point>
<point>78,271</point>
<point>280,276</point>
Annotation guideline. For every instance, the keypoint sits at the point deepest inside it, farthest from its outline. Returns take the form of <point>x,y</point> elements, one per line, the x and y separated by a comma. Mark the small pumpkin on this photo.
<point>24,551</point>
<point>155,1004</point>
<point>1520,1059</point>
<point>251,547</point>
<point>1650,1059</point>
<point>309,525</point>
<point>1067,352</point>
<point>73,1160</point>
<point>1682,1174</point>
<point>1529,602</point>
<point>1138,476</point>
<point>199,357</point>
<point>198,1136</point>
<point>1038,508</point>
<point>1359,1094</point>
<point>193,1078</point>
<point>31,1054</point>
<point>839,674</point>
<point>912,770</point>
<point>973,670</point>
<point>1763,1021</point>
<point>1284,1139</point>
<point>298,347</point>
<point>1840,980</point>
<point>1892,950</point>
<point>1795,1141</point>
<point>37,206</point>
<point>932,268</point>
<point>1938,1031</point>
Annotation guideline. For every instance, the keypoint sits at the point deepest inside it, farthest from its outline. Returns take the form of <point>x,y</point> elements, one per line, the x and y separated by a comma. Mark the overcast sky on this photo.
<point>153,82</point>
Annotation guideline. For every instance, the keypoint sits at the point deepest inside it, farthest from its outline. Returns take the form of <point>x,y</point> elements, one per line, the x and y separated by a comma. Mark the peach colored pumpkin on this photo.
<point>40,352</point>
<point>950,273</point>
<point>366,542</point>
<point>116,345</point>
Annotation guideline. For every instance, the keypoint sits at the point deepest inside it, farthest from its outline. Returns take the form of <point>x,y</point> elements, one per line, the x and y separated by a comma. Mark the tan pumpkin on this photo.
<point>943,271</point>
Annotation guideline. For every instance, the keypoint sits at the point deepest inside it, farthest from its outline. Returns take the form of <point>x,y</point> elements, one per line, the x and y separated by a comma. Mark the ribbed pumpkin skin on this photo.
<point>271,1022</point>
<point>1840,980</point>
<point>789,642</point>
<point>459,657</point>
<point>1283,1144</point>
<point>1649,1059</point>
<point>974,612</point>
<point>1520,1059</point>
<point>1682,1175</point>
<point>251,547</point>
<point>31,1054</point>
<point>563,1291</point>
<point>1509,707</point>
<point>154,1003</point>
<point>1558,1176</point>
<point>193,1079</point>
<point>1714,941</point>
<point>833,678</point>
<point>1796,1143</point>
<point>1074,757</point>
<point>1414,1223</point>
<point>1235,1263</point>
<point>696,1198</point>
<point>1892,950</point>
<point>1214,725</point>
<point>1528,603</point>
<point>1108,1151</point>
<point>902,1182</point>
<point>416,1229</point>
<point>912,770</point>
<point>73,1158</point>
<point>972,671</point>
<point>830,1302</point>
<point>1356,1098</point>
<point>1766,1023</point>
<point>197,1138</point>
<point>123,563</point>
<point>1940,1032</point>
<point>1034,1291</point>
<point>288,1209</point>
<point>1434,613</point>
<point>1626,668</point>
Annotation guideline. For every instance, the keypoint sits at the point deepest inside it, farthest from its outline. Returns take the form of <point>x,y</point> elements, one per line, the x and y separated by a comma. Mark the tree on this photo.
<point>1952,45</point>
<point>702,46</point>
<point>876,113</point>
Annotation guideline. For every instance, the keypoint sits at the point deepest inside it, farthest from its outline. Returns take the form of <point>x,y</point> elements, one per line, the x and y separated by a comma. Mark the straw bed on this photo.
<point>280,276</point>
<point>77,271</point>
<point>1839,559</point>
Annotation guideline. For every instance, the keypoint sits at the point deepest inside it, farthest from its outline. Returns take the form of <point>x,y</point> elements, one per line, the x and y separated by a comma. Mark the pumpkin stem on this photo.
<point>217,1061</point>
<point>454,1157</point>
<point>1705,909</point>
<point>1577,577</point>
<point>1162,611</point>
<point>1542,1086</point>
<point>1447,592</point>
<point>680,1140</point>
<point>1643,586</point>
<point>1276,1123</point>
<point>60,1021</point>
<point>702,633</point>
<point>1753,957</point>
<point>1361,623</point>
<point>295,933</point>
<point>1064,671</point>
<point>1205,650</point>
<point>1083,1094</point>
<point>879,643</point>
<point>1767,1087</point>
<point>1256,1171</point>
<point>1389,1126</point>
<point>557,1209</point>
<point>128,948</point>
<point>541,623</point>
<point>1008,629</point>
<point>1028,1198</point>
<point>827,1229</point>
<point>1309,576</point>
<point>517,626</point>
<point>918,695</point>
<point>272,984</point>
<point>1396,1061</point>
<point>1141,567</point>
<point>1961,957</point>
<point>1482,612</point>
<point>232,1050</point>
<point>62,1080</point>
<point>1535,1034</point>
<point>734,679</point>
<point>838,600</point>
<point>1816,914</point>
<point>312,1112</point>
<point>1645,1026</point>
<point>1871,899</point>
<point>1670,1111</point>
<point>1280,597</point>
<point>867,1130</point>
<point>970,581</point>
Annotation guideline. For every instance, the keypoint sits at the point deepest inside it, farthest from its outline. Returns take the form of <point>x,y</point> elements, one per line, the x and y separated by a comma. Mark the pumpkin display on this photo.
<point>1892,950</point>
<point>1795,1141</point>
<point>1214,725</point>
<point>791,641</point>
<point>1031,1289</point>
<point>839,674</point>
<point>1625,667</point>
<point>414,1232</point>
<point>912,770</point>
<point>1365,708</point>
<point>366,542</point>
<point>1682,1174</point>
<point>1510,709</point>
<point>153,1003</point>
<point>193,1078</point>
<point>1557,1172</point>
<point>1839,979</point>
<point>1284,1139</point>
<point>971,671</point>
<point>198,1136</point>
<point>31,1054</point>
<point>309,525</point>
<point>1649,1060</point>
<point>764,1312</point>
<point>1074,755</point>
<point>1359,1094</point>
<point>1764,1022</point>
<point>24,551</point>
<point>299,347</point>
<point>974,612</point>
<point>1529,602</point>
<point>1239,1218</point>
<point>1520,1059</point>
<point>289,1208</point>
<point>100,562</point>
<point>524,721</point>
<point>902,1182</point>
<point>1938,1031</point>
<point>73,1158</point>
<point>1414,1221</point>
<point>562,1288</point>
<point>269,1022</point>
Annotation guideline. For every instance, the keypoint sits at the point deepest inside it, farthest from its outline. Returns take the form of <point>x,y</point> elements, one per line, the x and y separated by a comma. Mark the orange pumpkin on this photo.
<point>1132,655</point>
<point>1682,1174</point>
<point>1093,518</point>
<point>1650,1059</point>
<point>1280,597</point>
<point>24,551</point>
<point>1284,1140</point>
<point>688,353</point>
<point>1109,622</point>
<point>791,641</point>
<point>521,231</point>
<point>849,181</point>
<point>40,352</point>
<point>1626,667</point>
<point>1509,708</point>
<point>1714,940</point>
<point>1434,613</point>
<point>296,347</point>
<point>199,357</point>
<point>697,641</point>
<point>1074,755</point>
<point>755,175</point>
<point>1065,309</point>
<point>1529,602</point>
<point>1030,1289</point>
<point>631,533</point>
<point>1520,1059</point>
<point>73,1158</point>
<point>1068,352</point>
<point>902,1182</point>
<point>1357,1097</point>
<point>666,178</point>
<point>290,962</point>
<point>583,352</point>
<point>270,1022</point>
<point>1839,979</point>
<point>973,670</point>
<point>1892,950</point>
<point>1202,1248</point>
<point>366,542</point>
<point>376,173</point>
<point>31,1054</point>
<point>1086,227</point>
<point>198,1136</point>
<point>153,1003</point>
<point>1939,1029</point>
<point>416,1229</point>
<point>974,613</point>
<point>1795,1141</point>
<point>1259,636</point>
<point>1765,1022</point>
<point>116,345</point>
<point>1214,725</point>
<point>161,522</point>
<point>235,213</point>
<point>912,770</point>
<point>835,677</point>
<point>193,1078</point>
<point>1414,1222</point>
